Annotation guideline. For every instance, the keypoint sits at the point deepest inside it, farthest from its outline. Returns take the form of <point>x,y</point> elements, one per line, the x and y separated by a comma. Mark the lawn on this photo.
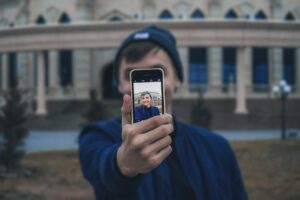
<point>271,170</point>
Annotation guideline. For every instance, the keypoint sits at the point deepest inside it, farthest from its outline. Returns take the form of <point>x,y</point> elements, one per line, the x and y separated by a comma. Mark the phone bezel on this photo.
<point>162,89</point>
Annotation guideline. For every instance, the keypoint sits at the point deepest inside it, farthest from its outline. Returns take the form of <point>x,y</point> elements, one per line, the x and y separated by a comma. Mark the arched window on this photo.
<point>289,59</point>
<point>64,18</point>
<point>115,19</point>
<point>229,59</point>
<point>289,17</point>
<point>197,68</point>
<point>260,77</point>
<point>40,20</point>
<point>231,14</point>
<point>65,60</point>
<point>197,14</point>
<point>166,14</point>
<point>260,15</point>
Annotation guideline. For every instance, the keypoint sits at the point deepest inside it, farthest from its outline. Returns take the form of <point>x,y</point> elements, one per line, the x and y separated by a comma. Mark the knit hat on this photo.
<point>159,36</point>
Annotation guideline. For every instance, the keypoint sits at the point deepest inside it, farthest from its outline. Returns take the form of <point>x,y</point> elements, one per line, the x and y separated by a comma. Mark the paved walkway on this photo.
<point>59,140</point>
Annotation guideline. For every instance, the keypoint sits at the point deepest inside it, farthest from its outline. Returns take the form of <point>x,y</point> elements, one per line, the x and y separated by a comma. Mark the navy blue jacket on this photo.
<point>206,159</point>
<point>142,112</point>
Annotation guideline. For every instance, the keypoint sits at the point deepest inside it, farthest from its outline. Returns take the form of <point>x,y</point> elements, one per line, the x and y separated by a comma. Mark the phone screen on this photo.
<point>147,94</point>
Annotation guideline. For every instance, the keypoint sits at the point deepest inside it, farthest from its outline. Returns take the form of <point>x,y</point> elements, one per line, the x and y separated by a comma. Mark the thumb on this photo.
<point>126,110</point>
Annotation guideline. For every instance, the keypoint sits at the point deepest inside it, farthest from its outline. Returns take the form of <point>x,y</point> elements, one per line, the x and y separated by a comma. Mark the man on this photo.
<point>158,158</point>
<point>145,110</point>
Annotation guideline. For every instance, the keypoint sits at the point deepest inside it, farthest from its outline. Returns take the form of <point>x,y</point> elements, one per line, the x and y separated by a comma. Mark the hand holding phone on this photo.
<point>148,94</point>
<point>147,143</point>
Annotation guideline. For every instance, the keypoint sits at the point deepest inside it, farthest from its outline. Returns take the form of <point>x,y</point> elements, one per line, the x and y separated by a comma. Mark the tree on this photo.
<point>200,114</point>
<point>96,110</point>
<point>12,130</point>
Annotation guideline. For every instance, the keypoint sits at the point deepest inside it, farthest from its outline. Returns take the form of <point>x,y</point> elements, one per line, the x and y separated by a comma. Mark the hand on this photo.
<point>145,144</point>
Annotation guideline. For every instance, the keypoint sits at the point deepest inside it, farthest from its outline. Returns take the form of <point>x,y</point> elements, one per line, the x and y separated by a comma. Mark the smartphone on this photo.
<point>147,93</point>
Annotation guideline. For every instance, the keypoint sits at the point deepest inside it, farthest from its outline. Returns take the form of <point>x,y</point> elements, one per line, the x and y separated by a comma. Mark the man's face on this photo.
<point>146,100</point>
<point>151,59</point>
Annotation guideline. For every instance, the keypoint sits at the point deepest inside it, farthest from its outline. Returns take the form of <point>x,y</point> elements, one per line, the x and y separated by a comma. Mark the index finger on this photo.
<point>126,110</point>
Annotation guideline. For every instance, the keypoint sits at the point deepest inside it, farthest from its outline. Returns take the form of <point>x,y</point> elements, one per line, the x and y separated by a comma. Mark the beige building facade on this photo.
<point>236,49</point>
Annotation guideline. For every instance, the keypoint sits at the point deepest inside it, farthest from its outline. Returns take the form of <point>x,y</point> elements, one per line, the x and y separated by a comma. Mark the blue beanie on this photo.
<point>159,36</point>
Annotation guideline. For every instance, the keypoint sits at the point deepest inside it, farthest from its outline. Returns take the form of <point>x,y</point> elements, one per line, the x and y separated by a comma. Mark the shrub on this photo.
<point>12,130</point>
<point>200,114</point>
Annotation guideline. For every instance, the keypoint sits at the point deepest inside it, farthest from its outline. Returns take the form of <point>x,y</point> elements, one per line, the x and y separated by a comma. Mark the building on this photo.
<point>232,50</point>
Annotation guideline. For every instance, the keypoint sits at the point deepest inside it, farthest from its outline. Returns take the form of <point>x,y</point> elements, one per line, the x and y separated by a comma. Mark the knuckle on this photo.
<point>168,140</point>
<point>144,154</point>
<point>153,161</point>
<point>169,150</point>
<point>164,129</point>
<point>168,118</point>
<point>157,120</point>
<point>171,128</point>
<point>136,143</point>
<point>127,129</point>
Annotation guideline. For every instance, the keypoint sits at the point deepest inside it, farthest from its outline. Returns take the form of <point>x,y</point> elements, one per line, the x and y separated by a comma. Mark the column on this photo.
<point>242,64</point>
<point>4,65</point>
<point>215,63</point>
<point>184,54</point>
<point>53,73</point>
<point>298,70</point>
<point>30,71</point>
<point>276,65</point>
<point>81,73</point>
<point>41,96</point>
<point>22,70</point>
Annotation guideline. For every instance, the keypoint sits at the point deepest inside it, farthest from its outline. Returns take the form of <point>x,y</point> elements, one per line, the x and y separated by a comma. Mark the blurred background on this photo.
<point>241,79</point>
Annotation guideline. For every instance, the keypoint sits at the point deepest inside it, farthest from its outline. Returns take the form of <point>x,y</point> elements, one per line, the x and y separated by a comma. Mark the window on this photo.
<point>231,14</point>
<point>197,14</point>
<point>12,72</point>
<point>289,63</point>
<point>40,20</point>
<point>64,19</point>
<point>260,77</point>
<point>65,60</point>
<point>197,68</point>
<point>289,59</point>
<point>289,17</point>
<point>166,14</point>
<point>115,19</point>
<point>260,15</point>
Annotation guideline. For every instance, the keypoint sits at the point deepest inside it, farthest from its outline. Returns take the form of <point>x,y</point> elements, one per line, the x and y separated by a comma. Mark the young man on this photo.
<point>145,110</point>
<point>158,158</point>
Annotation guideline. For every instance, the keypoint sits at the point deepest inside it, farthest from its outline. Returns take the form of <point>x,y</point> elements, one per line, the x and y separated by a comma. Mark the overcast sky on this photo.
<point>147,86</point>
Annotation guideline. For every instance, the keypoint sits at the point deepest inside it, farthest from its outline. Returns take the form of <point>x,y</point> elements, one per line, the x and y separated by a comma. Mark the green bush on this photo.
<point>200,114</point>
<point>13,130</point>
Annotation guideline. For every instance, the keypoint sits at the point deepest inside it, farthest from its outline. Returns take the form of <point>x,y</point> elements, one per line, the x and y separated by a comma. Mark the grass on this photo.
<point>271,170</point>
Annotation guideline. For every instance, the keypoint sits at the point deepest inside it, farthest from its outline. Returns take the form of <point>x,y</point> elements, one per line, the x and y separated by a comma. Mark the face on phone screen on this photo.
<point>147,94</point>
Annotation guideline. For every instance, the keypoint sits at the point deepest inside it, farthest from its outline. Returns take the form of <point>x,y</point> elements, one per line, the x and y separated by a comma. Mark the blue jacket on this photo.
<point>206,159</point>
<point>142,112</point>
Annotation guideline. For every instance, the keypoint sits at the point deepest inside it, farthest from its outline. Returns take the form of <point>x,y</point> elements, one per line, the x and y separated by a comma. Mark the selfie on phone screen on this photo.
<point>147,94</point>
